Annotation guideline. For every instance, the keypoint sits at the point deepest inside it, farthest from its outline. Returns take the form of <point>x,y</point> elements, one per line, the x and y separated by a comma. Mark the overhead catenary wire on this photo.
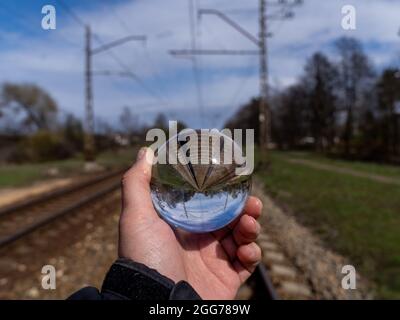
<point>242,83</point>
<point>23,22</point>
<point>72,13</point>
<point>195,67</point>
<point>131,74</point>
<point>261,43</point>
<point>118,17</point>
<point>89,142</point>
<point>26,22</point>
<point>110,52</point>
<point>151,63</point>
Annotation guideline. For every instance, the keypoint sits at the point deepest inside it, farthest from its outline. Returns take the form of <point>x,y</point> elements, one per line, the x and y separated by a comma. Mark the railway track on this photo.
<point>274,278</point>
<point>21,219</point>
<point>277,276</point>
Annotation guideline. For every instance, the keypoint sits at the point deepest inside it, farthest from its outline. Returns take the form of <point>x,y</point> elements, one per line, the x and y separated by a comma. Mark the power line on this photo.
<point>96,37</point>
<point>238,28</point>
<point>89,52</point>
<point>217,41</point>
<point>195,67</point>
<point>117,43</point>
<point>264,114</point>
<point>27,22</point>
<point>154,67</point>
<point>146,55</point>
<point>130,72</point>
<point>72,13</point>
<point>186,52</point>
<point>120,20</point>
<point>13,13</point>
<point>241,86</point>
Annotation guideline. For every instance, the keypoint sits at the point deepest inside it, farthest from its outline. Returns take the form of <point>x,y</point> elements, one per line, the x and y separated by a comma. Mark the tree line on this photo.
<point>340,106</point>
<point>33,128</point>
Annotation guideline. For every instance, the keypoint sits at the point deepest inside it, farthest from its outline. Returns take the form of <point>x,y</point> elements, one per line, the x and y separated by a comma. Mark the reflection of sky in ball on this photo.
<point>204,207</point>
<point>203,213</point>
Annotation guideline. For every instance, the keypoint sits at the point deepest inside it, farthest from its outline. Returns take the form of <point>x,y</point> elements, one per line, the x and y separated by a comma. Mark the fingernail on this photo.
<point>253,221</point>
<point>260,204</point>
<point>141,153</point>
<point>258,227</point>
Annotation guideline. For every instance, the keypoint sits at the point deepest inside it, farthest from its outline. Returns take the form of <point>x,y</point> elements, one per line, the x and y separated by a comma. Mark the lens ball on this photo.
<point>197,183</point>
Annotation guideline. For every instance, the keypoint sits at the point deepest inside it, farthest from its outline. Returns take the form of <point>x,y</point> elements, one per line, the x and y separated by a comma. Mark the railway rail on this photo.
<point>274,278</point>
<point>20,219</point>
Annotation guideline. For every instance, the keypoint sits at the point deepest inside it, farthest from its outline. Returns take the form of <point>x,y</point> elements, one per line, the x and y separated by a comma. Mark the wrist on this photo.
<point>135,281</point>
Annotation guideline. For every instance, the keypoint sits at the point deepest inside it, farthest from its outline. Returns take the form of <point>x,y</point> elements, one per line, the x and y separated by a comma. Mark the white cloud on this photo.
<point>55,60</point>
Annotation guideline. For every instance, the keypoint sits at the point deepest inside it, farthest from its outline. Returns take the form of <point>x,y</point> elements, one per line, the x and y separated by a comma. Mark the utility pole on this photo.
<point>264,116</point>
<point>195,65</point>
<point>261,43</point>
<point>89,147</point>
<point>89,143</point>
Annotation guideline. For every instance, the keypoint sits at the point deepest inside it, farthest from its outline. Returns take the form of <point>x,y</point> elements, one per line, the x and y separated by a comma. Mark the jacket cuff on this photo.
<point>131,280</point>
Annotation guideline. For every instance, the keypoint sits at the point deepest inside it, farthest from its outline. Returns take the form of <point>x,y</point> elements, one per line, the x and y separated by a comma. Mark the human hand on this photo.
<point>215,264</point>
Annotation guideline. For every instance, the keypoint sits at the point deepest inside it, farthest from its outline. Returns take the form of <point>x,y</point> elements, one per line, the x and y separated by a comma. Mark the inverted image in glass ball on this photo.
<point>195,185</point>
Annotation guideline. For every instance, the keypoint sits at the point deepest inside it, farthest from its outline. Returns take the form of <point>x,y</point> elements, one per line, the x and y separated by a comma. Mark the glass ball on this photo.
<point>196,185</point>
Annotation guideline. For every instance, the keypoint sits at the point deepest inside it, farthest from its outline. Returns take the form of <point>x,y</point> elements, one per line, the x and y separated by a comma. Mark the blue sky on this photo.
<point>54,59</point>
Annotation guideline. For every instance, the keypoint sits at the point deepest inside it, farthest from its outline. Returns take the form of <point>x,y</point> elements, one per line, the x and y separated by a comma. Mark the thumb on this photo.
<point>136,187</point>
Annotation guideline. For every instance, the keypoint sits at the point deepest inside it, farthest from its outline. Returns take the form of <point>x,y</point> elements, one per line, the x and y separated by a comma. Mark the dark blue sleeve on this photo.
<point>129,280</point>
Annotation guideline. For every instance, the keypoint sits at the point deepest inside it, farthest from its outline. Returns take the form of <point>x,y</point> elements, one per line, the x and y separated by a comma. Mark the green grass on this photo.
<point>12,175</point>
<point>365,167</point>
<point>118,158</point>
<point>357,217</point>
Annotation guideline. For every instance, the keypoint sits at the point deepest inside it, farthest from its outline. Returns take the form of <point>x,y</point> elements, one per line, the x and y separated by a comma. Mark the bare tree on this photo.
<point>355,72</point>
<point>388,90</point>
<point>39,107</point>
<point>320,80</point>
<point>291,117</point>
<point>161,122</point>
<point>129,122</point>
